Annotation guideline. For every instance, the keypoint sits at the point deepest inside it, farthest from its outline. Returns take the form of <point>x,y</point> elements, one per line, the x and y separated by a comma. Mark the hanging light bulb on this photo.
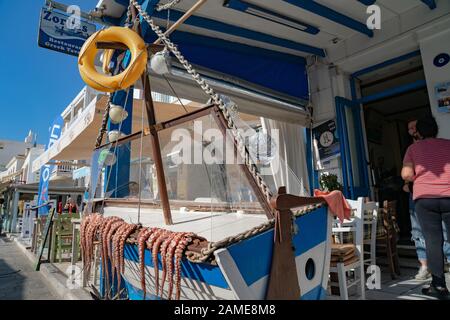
<point>117,114</point>
<point>262,147</point>
<point>231,106</point>
<point>161,63</point>
<point>114,135</point>
<point>106,158</point>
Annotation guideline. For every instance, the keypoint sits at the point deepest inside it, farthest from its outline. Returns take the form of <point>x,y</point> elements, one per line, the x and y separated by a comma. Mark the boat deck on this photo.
<point>214,226</point>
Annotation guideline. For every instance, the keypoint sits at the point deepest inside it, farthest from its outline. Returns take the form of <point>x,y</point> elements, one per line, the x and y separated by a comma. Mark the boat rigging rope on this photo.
<point>168,5</point>
<point>105,119</point>
<point>213,95</point>
<point>206,253</point>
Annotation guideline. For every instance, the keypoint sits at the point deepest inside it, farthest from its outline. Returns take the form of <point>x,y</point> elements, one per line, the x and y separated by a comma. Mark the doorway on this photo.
<point>386,122</point>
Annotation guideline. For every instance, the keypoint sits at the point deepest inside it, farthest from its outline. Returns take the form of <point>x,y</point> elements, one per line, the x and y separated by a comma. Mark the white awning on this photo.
<point>76,142</point>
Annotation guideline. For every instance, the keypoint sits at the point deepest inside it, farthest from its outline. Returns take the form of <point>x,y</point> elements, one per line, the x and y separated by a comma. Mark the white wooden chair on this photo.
<point>352,255</point>
<point>370,210</point>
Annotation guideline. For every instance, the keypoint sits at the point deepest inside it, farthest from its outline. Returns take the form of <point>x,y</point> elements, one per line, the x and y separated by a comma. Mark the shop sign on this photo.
<point>63,33</point>
<point>442,92</point>
<point>327,140</point>
<point>46,170</point>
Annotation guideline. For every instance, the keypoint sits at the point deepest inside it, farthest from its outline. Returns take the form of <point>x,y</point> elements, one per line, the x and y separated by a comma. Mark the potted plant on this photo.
<point>329,182</point>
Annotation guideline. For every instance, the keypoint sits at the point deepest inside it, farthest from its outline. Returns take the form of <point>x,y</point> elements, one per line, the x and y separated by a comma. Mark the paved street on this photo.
<point>18,280</point>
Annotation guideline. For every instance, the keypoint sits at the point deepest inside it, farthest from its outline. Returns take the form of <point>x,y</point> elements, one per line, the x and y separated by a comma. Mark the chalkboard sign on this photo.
<point>47,228</point>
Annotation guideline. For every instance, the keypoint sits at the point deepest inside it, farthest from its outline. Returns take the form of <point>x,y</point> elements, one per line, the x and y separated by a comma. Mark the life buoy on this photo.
<point>129,76</point>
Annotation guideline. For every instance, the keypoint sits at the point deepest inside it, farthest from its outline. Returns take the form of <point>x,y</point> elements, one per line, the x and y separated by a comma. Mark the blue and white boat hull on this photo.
<point>243,269</point>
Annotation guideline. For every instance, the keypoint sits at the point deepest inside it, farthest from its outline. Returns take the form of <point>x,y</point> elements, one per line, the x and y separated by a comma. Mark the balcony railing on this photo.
<point>63,171</point>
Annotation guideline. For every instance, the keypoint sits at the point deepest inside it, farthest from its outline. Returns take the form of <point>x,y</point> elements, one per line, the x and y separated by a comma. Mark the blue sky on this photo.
<point>36,84</point>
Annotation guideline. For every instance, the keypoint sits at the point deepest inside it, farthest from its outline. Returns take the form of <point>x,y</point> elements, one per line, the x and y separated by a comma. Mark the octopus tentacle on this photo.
<point>169,257</point>
<point>155,249</point>
<point>181,246</point>
<point>104,239</point>
<point>109,240</point>
<point>116,251</point>
<point>123,238</point>
<point>163,251</point>
<point>143,236</point>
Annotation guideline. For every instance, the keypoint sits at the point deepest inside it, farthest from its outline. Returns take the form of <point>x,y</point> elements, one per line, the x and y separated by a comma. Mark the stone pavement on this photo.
<point>403,288</point>
<point>18,280</point>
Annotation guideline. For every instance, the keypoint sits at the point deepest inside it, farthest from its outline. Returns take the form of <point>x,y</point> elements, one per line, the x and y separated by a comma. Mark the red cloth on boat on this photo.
<point>336,202</point>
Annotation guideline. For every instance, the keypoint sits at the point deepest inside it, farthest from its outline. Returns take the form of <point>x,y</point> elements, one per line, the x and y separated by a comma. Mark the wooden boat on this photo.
<point>241,270</point>
<point>282,252</point>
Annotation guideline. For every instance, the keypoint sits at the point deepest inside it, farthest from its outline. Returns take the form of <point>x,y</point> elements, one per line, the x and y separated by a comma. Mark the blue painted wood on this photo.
<point>386,63</point>
<point>394,91</point>
<point>318,293</point>
<point>218,26</point>
<point>342,142</point>
<point>430,3</point>
<point>367,2</point>
<point>312,231</point>
<point>202,272</point>
<point>269,15</point>
<point>332,15</point>
<point>118,176</point>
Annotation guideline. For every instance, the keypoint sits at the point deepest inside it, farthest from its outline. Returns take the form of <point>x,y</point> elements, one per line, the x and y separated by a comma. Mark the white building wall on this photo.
<point>434,41</point>
<point>10,149</point>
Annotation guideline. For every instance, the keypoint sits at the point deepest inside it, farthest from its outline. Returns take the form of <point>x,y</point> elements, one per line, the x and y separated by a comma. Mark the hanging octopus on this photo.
<point>112,232</point>
<point>120,263</point>
<point>143,236</point>
<point>104,239</point>
<point>89,238</point>
<point>163,251</point>
<point>181,246</point>
<point>109,238</point>
<point>169,259</point>
<point>155,249</point>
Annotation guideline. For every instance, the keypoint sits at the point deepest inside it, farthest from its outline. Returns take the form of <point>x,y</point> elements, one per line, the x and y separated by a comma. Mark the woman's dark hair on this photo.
<point>427,127</point>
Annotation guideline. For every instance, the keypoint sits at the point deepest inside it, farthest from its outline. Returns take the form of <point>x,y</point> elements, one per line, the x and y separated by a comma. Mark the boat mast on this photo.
<point>154,138</point>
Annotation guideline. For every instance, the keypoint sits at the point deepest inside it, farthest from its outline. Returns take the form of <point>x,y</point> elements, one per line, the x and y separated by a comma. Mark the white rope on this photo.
<point>168,5</point>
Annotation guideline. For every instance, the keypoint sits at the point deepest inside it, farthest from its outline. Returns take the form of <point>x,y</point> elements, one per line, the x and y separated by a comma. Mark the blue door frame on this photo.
<point>355,105</point>
<point>351,190</point>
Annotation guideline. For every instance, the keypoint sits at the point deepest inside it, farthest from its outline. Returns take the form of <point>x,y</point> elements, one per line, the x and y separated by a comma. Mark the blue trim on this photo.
<point>124,3</point>
<point>119,173</point>
<point>317,293</point>
<point>332,15</point>
<point>313,174</point>
<point>361,145</point>
<point>367,2</point>
<point>386,63</point>
<point>181,38</point>
<point>430,3</point>
<point>202,272</point>
<point>218,26</point>
<point>341,128</point>
<point>393,91</point>
<point>254,10</point>
<point>253,257</point>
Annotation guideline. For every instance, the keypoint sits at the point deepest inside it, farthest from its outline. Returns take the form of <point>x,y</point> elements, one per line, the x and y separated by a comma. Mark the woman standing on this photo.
<point>416,230</point>
<point>427,164</point>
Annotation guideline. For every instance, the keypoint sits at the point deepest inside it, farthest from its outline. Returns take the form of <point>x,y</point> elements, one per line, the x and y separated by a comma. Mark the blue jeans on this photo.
<point>417,236</point>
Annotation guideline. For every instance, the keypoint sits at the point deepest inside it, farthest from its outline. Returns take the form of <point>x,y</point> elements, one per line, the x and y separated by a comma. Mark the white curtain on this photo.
<point>293,171</point>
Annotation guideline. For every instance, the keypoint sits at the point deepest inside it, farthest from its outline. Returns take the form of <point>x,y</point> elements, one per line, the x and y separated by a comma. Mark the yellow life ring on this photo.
<point>129,76</point>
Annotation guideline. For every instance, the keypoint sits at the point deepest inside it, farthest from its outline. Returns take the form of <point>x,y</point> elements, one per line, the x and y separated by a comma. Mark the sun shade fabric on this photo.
<point>277,71</point>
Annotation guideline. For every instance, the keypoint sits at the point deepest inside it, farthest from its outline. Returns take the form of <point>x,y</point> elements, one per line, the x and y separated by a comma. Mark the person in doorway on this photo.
<point>71,206</point>
<point>427,164</point>
<point>416,231</point>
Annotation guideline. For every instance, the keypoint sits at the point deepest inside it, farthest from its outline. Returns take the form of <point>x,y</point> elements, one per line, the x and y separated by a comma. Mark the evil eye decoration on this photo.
<point>441,60</point>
